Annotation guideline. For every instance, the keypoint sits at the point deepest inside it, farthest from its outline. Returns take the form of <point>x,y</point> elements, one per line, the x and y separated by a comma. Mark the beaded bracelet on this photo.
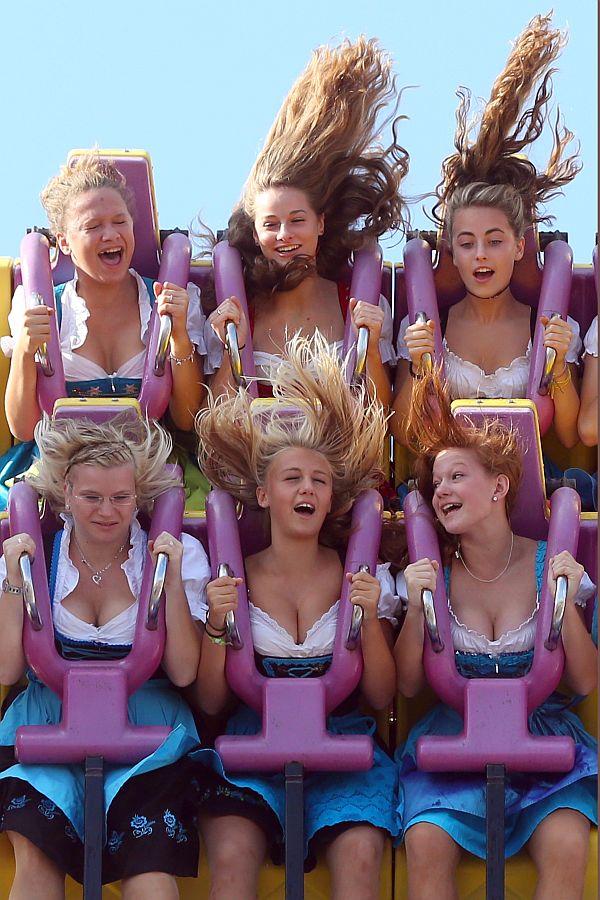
<point>560,382</point>
<point>216,640</point>
<point>180,361</point>
<point>216,632</point>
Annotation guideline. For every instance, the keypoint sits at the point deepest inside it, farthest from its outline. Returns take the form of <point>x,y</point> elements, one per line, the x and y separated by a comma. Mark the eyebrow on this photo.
<point>291,213</point>
<point>471,234</point>
<point>298,469</point>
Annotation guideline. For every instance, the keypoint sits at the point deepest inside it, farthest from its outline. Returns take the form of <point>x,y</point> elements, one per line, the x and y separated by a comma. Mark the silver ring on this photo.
<point>19,540</point>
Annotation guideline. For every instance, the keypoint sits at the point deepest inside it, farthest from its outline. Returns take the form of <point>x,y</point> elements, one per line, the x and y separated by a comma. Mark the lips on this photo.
<point>448,508</point>
<point>111,257</point>
<point>483,274</point>
<point>306,510</point>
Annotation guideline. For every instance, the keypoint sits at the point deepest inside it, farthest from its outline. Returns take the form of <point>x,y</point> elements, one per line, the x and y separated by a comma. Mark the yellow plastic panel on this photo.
<point>6,264</point>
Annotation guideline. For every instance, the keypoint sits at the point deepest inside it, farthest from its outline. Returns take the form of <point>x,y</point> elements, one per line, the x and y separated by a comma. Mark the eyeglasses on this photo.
<point>123,499</point>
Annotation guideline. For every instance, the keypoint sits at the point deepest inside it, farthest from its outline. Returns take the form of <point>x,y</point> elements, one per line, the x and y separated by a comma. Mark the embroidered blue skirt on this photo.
<point>456,802</point>
<point>330,799</point>
<point>150,808</point>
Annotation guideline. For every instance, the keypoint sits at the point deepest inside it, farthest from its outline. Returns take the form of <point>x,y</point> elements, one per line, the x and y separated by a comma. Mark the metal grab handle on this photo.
<point>558,613</point>
<point>162,346</point>
<point>42,353</point>
<point>426,364</point>
<point>29,600</point>
<point>362,346</point>
<point>232,634</point>
<point>549,361</point>
<point>437,643</point>
<point>158,586</point>
<point>357,619</point>
<point>233,348</point>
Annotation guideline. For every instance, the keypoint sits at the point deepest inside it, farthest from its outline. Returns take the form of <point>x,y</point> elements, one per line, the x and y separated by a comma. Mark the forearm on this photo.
<point>581,656</point>
<point>408,654</point>
<point>587,423</point>
<point>12,658</point>
<point>378,683</point>
<point>188,385</point>
<point>210,690</point>
<point>378,378</point>
<point>222,382</point>
<point>402,400</point>
<point>20,400</point>
<point>566,410</point>
<point>182,646</point>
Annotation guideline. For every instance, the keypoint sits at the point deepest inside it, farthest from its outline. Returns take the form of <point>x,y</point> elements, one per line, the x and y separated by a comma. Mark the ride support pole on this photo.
<point>294,831</point>
<point>93,827</point>
<point>494,832</point>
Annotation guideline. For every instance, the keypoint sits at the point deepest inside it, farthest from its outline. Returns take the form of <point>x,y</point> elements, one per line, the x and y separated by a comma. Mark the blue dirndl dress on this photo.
<point>150,808</point>
<point>330,799</point>
<point>456,802</point>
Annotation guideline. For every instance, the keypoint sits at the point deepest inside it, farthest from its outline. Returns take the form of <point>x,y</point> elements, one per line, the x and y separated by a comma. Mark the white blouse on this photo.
<point>468,380</point>
<point>266,363</point>
<point>513,641</point>
<point>74,330</point>
<point>271,639</point>
<point>195,572</point>
<point>590,342</point>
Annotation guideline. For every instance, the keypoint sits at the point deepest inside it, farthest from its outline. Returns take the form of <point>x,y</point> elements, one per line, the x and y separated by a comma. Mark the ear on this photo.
<point>520,249</point>
<point>262,497</point>
<point>502,486</point>
<point>62,242</point>
<point>255,236</point>
<point>321,224</point>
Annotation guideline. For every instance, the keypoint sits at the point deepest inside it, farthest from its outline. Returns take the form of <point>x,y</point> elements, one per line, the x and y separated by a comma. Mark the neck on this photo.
<point>308,291</point>
<point>490,309</point>
<point>99,554</point>
<point>105,296</point>
<point>485,549</point>
<point>297,556</point>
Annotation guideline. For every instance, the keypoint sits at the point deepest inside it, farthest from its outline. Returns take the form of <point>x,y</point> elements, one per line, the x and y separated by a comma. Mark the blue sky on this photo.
<point>198,84</point>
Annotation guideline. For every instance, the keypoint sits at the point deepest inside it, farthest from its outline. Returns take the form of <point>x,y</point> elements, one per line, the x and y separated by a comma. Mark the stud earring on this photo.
<point>494,499</point>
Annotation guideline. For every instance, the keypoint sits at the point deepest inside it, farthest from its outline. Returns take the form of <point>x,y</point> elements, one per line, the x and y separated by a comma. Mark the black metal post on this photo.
<point>93,825</point>
<point>294,831</point>
<point>494,832</point>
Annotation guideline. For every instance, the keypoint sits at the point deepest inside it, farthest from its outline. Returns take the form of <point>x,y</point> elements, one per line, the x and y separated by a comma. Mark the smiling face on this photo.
<point>485,249</point>
<point>286,225</point>
<point>98,235</point>
<point>104,521</point>
<point>297,491</point>
<point>463,490</point>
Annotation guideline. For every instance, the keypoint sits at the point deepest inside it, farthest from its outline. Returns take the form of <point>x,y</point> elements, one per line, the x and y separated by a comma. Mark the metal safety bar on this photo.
<point>558,612</point>
<point>163,344</point>
<point>431,624</point>
<point>357,619</point>
<point>233,348</point>
<point>549,361</point>
<point>31,606</point>
<point>156,592</point>
<point>232,634</point>
<point>42,352</point>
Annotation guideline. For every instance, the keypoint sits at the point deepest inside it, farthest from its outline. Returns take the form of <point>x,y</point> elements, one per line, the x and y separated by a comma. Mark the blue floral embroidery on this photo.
<point>47,808</point>
<point>18,802</point>
<point>141,826</point>
<point>115,841</point>
<point>70,832</point>
<point>174,828</point>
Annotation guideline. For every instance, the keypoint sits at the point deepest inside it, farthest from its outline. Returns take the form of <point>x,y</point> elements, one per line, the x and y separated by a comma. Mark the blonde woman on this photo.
<point>96,477</point>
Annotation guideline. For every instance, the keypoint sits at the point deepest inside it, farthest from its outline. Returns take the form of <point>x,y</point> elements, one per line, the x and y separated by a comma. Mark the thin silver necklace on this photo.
<point>459,555</point>
<point>97,574</point>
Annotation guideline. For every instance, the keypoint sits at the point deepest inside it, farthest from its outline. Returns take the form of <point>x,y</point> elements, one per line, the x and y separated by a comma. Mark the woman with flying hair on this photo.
<point>304,470</point>
<point>95,477</point>
<point>470,475</point>
<point>321,188</point>
<point>489,196</point>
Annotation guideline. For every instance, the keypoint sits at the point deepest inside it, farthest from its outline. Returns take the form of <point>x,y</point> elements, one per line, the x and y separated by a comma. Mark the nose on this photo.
<point>307,486</point>
<point>441,488</point>
<point>109,231</point>
<point>481,250</point>
<point>282,231</point>
<point>105,506</point>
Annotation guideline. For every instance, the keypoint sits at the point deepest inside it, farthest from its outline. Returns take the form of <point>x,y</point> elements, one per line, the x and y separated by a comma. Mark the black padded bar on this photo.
<point>294,831</point>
